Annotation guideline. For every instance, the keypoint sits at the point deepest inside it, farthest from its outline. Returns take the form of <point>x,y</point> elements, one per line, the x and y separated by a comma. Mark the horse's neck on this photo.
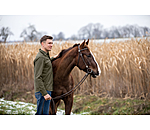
<point>65,66</point>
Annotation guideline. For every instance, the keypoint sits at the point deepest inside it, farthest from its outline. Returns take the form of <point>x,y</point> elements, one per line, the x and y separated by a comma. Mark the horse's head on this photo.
<point>86,60</point>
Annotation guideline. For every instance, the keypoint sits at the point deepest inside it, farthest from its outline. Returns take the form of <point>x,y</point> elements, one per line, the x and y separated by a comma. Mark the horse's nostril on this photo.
<point>98,73</point>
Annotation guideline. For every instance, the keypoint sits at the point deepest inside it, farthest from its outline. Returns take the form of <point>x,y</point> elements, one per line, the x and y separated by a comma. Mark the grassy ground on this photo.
<point>92,105</point>
<point>84,105</point>
<point>16,108</point>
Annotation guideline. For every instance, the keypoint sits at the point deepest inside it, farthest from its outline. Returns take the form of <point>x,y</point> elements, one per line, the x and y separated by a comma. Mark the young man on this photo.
<point>43,76</point>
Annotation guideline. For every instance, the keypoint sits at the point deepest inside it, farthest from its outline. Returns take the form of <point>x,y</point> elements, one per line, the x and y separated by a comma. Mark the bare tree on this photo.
<point>30,33</point>
<point>135,30</point>
<point>97,30</point>
<point>145,31</point>
<point>86,31</point>
<point>60,36</point>
<point>126,31</point>
<point>114,32</point>
<point>82,33</point>
<point>5,33</point>
<point>105,33</point>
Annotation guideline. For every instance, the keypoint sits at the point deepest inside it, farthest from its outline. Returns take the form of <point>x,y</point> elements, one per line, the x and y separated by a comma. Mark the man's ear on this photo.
<point>42,43</point>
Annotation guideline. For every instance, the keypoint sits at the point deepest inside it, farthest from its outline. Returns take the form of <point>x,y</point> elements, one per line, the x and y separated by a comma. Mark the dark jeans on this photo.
<point>40,101</point>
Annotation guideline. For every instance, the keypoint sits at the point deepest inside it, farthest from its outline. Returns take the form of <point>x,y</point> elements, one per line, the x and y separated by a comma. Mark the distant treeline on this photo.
<point>96,31</point>
<point>90,31</point>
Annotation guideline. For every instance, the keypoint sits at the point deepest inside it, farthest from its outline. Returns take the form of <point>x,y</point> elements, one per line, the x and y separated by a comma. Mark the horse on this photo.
<point>79,55</point>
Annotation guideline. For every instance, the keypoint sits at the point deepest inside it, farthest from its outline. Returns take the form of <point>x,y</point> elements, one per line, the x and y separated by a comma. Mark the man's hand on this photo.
<point>47,97</point>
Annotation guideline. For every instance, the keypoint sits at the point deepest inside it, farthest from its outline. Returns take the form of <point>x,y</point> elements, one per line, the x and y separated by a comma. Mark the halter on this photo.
<point>89,70</point>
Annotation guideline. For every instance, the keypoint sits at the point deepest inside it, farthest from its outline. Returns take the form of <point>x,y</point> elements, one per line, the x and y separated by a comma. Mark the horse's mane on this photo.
<point>63,52</point>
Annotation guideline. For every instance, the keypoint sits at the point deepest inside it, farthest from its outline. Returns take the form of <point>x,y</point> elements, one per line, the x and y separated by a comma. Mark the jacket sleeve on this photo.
<point>38,68</point>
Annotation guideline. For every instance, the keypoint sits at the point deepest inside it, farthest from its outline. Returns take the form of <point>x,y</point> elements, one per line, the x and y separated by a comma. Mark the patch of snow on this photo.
<point>8,111</point>
<point>84,113</point>
<point>30,107</point>
<point>21,107</point>
<point>32,112</point>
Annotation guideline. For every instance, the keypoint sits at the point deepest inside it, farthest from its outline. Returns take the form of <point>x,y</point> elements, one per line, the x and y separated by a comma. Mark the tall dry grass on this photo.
<point>125,68</point>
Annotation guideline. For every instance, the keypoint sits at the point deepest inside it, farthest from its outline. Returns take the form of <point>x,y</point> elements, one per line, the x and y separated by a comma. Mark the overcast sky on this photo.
<point>68,16</point>
<point>68,24</point>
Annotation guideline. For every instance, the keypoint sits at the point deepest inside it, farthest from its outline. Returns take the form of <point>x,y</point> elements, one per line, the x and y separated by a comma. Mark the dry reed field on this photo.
<point>125,69</point>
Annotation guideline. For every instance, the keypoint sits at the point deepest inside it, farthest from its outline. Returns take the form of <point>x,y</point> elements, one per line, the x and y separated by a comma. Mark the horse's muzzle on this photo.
<point>94,75</point>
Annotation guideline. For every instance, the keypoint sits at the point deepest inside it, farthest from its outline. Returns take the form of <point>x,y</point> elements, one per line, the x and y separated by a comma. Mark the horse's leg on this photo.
<point>69,99</point>
<point>68,104</point>
<point>56,105</point>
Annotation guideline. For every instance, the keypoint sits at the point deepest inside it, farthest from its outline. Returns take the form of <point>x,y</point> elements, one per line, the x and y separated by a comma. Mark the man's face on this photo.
<point>48,44</point>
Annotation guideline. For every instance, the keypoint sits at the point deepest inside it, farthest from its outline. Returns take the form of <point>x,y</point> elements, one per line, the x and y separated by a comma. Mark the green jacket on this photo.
<point>43,73</point>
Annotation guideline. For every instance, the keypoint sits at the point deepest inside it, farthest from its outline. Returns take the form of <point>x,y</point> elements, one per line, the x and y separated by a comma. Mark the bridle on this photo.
<point>89,70</point>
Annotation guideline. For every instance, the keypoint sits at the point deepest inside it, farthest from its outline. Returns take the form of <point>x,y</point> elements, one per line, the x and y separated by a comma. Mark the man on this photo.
<point>43,76</point>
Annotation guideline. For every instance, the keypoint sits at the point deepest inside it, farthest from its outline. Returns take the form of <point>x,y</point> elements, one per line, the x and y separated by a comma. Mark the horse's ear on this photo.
<point>82,45</point>
<point>87,42</point>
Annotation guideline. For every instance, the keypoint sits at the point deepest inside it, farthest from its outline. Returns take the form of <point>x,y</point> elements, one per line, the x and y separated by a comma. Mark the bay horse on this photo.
<point>63,64</point>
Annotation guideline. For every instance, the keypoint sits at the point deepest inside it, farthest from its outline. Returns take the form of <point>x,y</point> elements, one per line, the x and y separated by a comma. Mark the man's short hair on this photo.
<point>45,37</point>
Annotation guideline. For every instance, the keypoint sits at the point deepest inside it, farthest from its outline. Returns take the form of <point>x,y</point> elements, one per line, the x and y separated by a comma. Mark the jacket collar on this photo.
<point>43,52</point>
